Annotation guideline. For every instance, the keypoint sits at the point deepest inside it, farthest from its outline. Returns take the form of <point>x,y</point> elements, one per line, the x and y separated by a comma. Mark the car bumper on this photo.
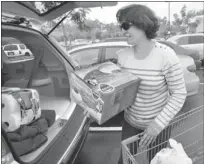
<point>75,147</point>
<point>69,141</point>
<point>192,84</point>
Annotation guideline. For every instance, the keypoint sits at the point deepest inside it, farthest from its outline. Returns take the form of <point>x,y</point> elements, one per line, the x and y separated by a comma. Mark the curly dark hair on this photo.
<point>140,16</point>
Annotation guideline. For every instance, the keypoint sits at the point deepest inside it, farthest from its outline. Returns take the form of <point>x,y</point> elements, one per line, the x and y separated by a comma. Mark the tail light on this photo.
<point>192,68</point>
<point>6,156</point>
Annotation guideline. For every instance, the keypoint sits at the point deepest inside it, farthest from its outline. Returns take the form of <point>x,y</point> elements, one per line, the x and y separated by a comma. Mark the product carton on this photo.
<point>103,90</point>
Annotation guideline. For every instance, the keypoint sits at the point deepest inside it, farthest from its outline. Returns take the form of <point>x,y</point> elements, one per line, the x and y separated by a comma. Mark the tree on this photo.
<point>200,12</point>
<point>177,21</point>
<point>163,20</point>
<point>183,12</point>
<point>78,16</point>
<point>111,29</point>
<point>98,34</point>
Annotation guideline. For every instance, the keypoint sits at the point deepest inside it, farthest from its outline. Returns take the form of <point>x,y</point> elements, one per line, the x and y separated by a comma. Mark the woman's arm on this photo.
<point>173,73</point>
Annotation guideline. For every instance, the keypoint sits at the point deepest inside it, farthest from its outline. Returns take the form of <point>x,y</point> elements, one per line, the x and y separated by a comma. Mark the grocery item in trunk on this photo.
<point>19,107</point>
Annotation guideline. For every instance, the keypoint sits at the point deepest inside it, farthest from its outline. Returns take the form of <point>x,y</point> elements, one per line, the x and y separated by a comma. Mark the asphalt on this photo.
<point>104,147</point>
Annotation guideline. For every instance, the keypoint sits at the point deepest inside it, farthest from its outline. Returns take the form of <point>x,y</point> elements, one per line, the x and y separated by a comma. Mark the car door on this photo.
<point>22,49</point>
<point>16,49</point>
<point>183,40</point>
<point>88,56</point>
<point>196,42</point>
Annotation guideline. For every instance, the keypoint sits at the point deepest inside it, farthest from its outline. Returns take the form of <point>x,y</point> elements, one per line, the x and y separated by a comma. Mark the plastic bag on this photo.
<point>174,155</point>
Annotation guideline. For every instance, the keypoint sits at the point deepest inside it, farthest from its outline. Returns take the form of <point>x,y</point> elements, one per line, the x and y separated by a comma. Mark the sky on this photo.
<point>107,14</point>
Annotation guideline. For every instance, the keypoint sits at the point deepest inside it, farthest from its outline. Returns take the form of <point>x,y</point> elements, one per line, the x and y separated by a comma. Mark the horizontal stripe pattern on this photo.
<point>161,92</point>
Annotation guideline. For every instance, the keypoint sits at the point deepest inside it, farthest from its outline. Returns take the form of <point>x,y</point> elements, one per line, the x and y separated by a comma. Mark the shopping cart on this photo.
<point>186,129</point>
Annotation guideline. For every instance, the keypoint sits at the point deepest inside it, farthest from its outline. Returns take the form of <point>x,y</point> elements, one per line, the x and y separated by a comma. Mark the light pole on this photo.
<point>169,32</point>
<point>169,23</point>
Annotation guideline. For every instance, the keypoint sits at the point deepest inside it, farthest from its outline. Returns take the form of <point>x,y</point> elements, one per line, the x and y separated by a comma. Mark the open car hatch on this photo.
<point>38,11</point>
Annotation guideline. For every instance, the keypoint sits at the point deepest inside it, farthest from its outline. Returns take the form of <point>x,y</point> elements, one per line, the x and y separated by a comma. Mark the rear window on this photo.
<point>22,46</point>
<point>10,47</point>
<point>183,40</point>
<point>196,39</point>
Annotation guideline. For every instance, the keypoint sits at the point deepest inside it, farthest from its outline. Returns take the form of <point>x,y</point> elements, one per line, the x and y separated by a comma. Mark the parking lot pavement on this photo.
<point>104,147</point>
<point>100,148</point>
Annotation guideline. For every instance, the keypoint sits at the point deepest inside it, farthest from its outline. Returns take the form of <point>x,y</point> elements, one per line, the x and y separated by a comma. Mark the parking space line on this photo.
<point>105,129</point>
<point>201,83</point>
<point>201,68</point>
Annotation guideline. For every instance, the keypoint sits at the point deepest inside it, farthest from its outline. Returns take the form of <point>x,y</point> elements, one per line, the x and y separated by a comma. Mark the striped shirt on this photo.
<point>162,91</point>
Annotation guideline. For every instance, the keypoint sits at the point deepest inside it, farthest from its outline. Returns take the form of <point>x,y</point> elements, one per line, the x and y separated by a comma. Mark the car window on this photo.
<point>86,57</point>
<point>196,39</point>
<point>183,40</point>
<point>22,46</point>
<point>110,52</point>
<point>10,47</point>
<point>177,49</point>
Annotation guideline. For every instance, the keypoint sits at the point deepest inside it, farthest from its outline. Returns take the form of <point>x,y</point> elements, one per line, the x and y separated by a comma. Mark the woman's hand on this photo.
<point>75,96</point>
<point>150,135</point>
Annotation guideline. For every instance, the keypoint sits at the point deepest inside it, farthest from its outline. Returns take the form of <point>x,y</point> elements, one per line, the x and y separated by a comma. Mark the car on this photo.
<point>16,50</point>
<point>180,50</point>
<point>193,41</point>
<point>106,51</point>
<point>48,72</point>
<point>184,51</point>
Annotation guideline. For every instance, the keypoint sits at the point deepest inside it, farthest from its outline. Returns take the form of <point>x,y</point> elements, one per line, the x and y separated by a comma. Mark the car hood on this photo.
<point>30,10</point>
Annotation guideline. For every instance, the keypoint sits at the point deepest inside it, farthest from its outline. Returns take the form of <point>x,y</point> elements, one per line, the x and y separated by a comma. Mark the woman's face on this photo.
<point>134,35</point>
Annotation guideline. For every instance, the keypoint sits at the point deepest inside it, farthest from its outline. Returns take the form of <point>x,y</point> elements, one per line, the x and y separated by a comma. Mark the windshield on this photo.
<point>10,47</point>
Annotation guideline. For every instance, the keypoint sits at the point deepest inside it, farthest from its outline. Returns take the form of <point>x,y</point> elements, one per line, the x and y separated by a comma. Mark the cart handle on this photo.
<point>132,139</point>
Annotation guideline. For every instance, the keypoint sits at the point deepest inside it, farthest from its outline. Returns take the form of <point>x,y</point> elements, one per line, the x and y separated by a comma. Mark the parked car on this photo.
<point>106,51</point>
<point>179,50</point>
<point>16,50</point>
<point>190,41</point>
<point>49,75</point>
<point>184,51</point>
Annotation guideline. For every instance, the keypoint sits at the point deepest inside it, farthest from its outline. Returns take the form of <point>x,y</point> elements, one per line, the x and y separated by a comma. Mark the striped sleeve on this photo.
<point>173,74</point>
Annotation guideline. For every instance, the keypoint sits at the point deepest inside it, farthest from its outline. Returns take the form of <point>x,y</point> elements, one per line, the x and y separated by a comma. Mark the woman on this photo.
<point>162,90</point>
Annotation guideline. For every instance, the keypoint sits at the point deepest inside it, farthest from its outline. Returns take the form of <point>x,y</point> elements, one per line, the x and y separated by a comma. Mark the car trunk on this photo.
<point>51,80</point>
<point>52,96</point>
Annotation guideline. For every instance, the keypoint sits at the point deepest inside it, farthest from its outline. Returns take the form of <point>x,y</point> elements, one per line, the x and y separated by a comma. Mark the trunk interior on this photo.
<point>50,80</point>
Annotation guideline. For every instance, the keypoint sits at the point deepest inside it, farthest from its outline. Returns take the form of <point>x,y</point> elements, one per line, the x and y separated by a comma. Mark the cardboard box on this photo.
<point>103,90</point>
